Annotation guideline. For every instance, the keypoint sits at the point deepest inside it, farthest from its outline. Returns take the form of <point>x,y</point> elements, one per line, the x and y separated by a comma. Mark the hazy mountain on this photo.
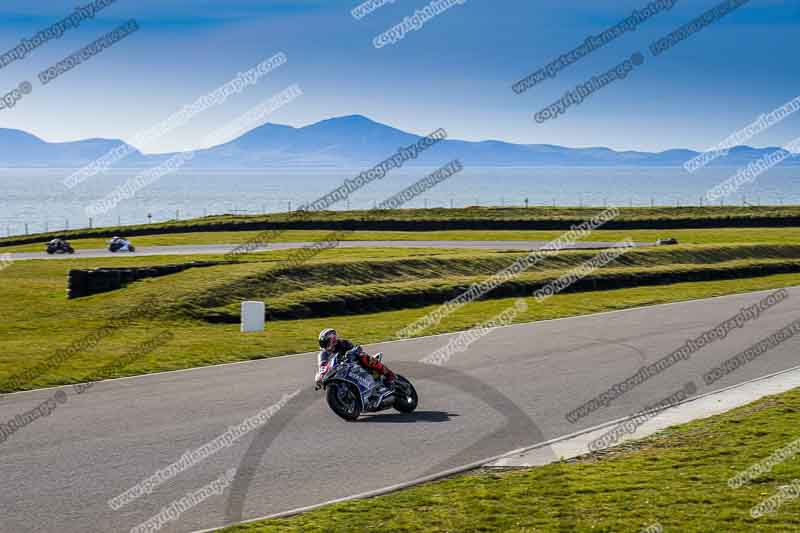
<point>21,149</point>
<point>349,141</point>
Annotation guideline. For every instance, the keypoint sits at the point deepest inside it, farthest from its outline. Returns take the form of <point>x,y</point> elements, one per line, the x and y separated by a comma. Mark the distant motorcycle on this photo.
<point>118,244</point>
<point>351,389</point>
<point>59,246</point>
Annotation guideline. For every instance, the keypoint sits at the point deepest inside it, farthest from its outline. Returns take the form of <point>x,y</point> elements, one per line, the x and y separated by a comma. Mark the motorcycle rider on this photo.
<point>120,243</point>
<point>59,245</point>
<point>332,345</point>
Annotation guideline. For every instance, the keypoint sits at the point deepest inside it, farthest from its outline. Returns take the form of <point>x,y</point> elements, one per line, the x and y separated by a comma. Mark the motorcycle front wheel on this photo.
<point>344,400</point>
<point>405,395</point>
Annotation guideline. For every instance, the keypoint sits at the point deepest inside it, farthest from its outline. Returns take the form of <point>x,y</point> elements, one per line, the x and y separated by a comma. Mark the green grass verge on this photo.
<point>677,478</point>
<point>787,235</point>
<point>39,320</point>
<point>475,218</point>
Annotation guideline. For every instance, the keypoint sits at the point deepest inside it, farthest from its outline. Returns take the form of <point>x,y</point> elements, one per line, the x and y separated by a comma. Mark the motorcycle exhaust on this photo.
<point>387,402</point>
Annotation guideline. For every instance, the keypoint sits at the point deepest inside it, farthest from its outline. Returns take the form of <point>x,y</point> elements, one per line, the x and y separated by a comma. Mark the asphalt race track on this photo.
<point>508,390</point>
<point>225,248</point>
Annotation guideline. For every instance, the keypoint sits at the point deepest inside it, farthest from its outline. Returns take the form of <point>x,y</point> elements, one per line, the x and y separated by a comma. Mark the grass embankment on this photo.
<point>474,218</point>
<point>676,478</point>
<point>335,288</point>
<point>684,236</point>
<point>38,319</point>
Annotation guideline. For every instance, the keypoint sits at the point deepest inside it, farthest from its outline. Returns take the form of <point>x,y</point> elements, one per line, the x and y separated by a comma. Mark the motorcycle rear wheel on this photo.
<point>405,395</point>
<point>344,400</point>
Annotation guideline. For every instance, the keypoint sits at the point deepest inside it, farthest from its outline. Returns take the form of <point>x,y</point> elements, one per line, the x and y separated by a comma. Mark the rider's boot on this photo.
<point>389,379</point>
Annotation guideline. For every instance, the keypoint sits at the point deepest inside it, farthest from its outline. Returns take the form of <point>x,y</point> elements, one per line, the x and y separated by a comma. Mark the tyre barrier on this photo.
<point>82,283</point>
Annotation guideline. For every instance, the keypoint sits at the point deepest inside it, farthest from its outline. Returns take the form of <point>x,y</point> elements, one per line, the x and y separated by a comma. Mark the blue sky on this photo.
<point>456,72</point>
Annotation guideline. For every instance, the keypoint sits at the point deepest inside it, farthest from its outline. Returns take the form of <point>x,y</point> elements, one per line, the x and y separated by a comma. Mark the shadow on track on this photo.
<point>519,431</point>
<point>416,416</point>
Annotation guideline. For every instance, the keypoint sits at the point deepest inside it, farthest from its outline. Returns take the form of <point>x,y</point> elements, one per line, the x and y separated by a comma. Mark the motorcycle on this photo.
<point>120,245</point>
<point>351,389</point>
<point>57,246</point>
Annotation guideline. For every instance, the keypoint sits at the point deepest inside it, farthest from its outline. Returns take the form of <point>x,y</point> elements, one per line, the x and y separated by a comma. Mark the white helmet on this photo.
<point>325,337</point>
